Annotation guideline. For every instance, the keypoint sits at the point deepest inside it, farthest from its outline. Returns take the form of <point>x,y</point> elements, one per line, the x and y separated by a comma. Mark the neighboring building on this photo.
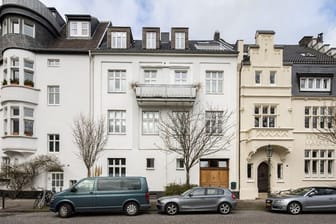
<point>286,93</point>
<point>57,69</point>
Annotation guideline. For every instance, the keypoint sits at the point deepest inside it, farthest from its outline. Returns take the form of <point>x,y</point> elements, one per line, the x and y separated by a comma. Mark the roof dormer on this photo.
<point>80,26</point>
<point>179,38</point>
<point>150,37</point>
<point>119,37</point>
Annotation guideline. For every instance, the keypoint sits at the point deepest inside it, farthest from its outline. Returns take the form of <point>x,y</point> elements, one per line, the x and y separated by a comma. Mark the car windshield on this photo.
<point>300,191</point>
<point>186,192</point>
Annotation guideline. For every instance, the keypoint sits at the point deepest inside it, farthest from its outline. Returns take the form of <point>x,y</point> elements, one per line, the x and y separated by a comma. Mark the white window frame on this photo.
<point>318,117</point>
<point>28,120</point>
<point>272,79</point>
<point>14,25</point>
<point>265,116</point>
<point>257,77</point>
<point>315,84</point>
<point>54,141</point>
<point>249,168</point>
<point>4,27</point>
<point>15,118</point>
<point>181,77</point>
<point>150,40</point>
<point>150,76</point>
<point>180,40</point>
<point>118,39</point>
<point>54,95</point>
<point>280,173</point>
<point>214,82</point>
<point>117,121</point>
<point>79,29</point>
<point>31,26</point>
<point>319,163</point>
<point>214,122</point>
<point>116,81</point>
<point>150,163</point>
<point>56,181</point>
<point>179,164</point>
<point>118,166</point>
<point>150,122</point>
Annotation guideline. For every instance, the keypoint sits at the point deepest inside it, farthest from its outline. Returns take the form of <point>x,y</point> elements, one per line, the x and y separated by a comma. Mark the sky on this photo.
<point>234,19</point>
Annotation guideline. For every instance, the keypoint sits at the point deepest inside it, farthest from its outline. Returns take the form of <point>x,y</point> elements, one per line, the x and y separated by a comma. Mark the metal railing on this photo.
<point>165,91</point>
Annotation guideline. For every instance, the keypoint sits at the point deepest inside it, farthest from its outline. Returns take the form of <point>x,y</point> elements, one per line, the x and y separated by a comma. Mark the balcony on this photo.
<point>19,93</point>
<point>12,144</point>
<point>165,95</point>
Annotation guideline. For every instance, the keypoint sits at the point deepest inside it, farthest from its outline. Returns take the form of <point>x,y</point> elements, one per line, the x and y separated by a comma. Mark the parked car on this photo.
<point>95,194</point>
<point>304,199</point>
<point>198,199</point>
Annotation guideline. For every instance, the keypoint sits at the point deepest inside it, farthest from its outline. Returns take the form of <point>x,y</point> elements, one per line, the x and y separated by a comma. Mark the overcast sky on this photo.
<point>234,19</point>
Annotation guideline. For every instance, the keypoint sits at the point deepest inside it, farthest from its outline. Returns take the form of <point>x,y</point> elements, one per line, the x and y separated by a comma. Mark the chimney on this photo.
<point>164,37</point>
<point>320,37</point>
<point>217,36</point>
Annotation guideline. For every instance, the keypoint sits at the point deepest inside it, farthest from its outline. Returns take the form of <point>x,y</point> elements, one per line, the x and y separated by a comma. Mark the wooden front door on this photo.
<point>214,177</point>
<point>262,177</point>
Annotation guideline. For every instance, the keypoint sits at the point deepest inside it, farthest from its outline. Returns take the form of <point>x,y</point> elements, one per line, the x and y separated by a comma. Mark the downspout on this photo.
<point>91,86</point>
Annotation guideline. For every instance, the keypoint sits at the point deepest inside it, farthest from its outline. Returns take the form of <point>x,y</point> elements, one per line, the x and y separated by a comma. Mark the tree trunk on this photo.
<point>88,171</point>
<point>188,176</point>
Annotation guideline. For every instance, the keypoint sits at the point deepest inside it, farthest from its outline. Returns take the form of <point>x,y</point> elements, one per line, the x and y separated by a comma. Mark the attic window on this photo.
<point>307,54</point>
<point>79,29</point>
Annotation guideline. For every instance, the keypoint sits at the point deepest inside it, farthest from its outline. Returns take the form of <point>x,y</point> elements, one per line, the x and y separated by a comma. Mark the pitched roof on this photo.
<point>304,55</point>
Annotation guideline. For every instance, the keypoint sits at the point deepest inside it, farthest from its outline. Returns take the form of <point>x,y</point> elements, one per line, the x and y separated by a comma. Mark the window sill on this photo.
<point>117,92</point>
<point>180,169</point>
<point>150,169</point>
<point>113,133</point>
<point>250,181</point>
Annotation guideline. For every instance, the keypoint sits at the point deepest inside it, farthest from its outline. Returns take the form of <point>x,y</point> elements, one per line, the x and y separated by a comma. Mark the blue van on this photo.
<point>103,194</point>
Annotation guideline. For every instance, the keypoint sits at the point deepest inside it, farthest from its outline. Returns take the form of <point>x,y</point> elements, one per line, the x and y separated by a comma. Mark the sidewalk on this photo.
<point>26,205</point>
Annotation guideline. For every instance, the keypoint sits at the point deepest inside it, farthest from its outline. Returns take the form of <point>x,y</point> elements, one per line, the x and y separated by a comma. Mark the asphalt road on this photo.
<point>238,216</point>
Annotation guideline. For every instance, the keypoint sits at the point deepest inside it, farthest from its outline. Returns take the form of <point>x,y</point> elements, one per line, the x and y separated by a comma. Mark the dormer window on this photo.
<point>79,29</point>
<point>118,39</point>
<point>179,40</point>
<point>151,40</point>
<point>15,25</point>
<point>28,28</point>
<point>316,84</point>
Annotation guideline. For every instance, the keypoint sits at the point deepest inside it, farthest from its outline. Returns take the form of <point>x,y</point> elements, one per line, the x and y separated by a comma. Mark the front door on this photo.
<point>262,177</point>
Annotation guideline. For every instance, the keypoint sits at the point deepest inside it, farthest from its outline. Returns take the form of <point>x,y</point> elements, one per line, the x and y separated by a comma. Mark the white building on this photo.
<point>55,70</point>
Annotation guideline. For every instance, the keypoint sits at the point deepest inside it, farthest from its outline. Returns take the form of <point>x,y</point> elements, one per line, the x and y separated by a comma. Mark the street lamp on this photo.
<point>269,152</point>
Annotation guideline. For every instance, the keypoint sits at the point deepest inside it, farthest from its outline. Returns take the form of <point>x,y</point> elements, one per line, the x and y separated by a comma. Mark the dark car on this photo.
<point>304,199</point>
<point>221,200</point>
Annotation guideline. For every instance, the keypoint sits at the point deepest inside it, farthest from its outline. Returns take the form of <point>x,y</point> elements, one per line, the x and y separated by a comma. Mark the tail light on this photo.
<point>233,196</point>
<point>147,196</point>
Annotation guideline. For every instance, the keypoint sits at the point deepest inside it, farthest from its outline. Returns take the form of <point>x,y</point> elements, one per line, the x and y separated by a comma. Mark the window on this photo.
<point>14,25</point>
<point>117,81</point>
<point>318,84</point>
<point>5,166</point>
<point>117,184</point>
<point>28,72</point>
<point>15,120</point>
<point>214,82</point>
<point>179,40</point>
<point>53,62</point>
<point>85,185</point>
<point>57,181</point>
<point>28,121</point>
<point>28,28</point>
<point>150,163</point>
<point>249,170</point>
<point>179,164</point>
<point>319,163</point>
<point>214,122</point>
<point>150,121</point>
<point>150,40</point>
<point>53,95</point>
<point>4,27</point>
<point>180,77</point>
<point>14,71</point>
<point>318,117</point>
<point>79,29</point>
<point>272,77</point>
<point>117,121</point>
<point>150,76</point>
<point>118,39</point>
<point>280,171</point>
<point>257,77</point>
<point>264,116</point>
<point>116,167</point>
<point>53,142</point>
<point>198,192</point>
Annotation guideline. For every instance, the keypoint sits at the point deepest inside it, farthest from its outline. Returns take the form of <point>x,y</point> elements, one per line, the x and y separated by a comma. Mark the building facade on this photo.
<point>286,95</point>
<point>54,70</point>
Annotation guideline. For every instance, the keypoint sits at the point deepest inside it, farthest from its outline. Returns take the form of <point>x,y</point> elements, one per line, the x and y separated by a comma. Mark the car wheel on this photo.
<point>294,208</point>
<point>224,208</point>
<point>65,210</point>
<point>131,208</point>
<point>171,208</point>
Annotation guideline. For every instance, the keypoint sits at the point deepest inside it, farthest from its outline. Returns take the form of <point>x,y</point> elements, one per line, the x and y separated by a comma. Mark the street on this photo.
<point>238,216</point>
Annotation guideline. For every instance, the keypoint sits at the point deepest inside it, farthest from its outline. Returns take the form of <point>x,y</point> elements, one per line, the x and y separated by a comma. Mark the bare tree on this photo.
<point>194,134</point>
<point>90,136</point>
<point>21,175</point>
<point>327,125</point>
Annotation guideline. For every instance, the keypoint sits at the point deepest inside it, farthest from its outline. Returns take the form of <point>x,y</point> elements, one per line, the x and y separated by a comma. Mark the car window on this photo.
<point>214,191</point>
<point>85,185</point>
<point>300,191</point>
<point>198,192</point>
<point>326,191</point>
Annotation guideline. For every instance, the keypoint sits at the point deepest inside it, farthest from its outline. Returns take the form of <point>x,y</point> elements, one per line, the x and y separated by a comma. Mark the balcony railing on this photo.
<point>165,93</point>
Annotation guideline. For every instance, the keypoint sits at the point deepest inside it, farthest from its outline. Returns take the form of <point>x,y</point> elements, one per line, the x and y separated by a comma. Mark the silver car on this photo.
<point>304,199</point>
<point>198,199</point>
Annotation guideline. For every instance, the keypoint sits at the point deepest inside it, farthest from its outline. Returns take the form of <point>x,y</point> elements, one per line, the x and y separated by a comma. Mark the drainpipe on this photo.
<point>91,86</point>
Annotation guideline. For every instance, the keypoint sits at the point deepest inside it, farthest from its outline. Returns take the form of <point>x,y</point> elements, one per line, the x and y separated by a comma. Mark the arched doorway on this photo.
<point>262,177</point>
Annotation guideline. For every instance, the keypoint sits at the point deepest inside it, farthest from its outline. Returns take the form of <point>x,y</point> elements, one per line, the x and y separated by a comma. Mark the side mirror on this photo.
<point>311,194</point>
<point>190,195</point>
<point>73,189</point>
